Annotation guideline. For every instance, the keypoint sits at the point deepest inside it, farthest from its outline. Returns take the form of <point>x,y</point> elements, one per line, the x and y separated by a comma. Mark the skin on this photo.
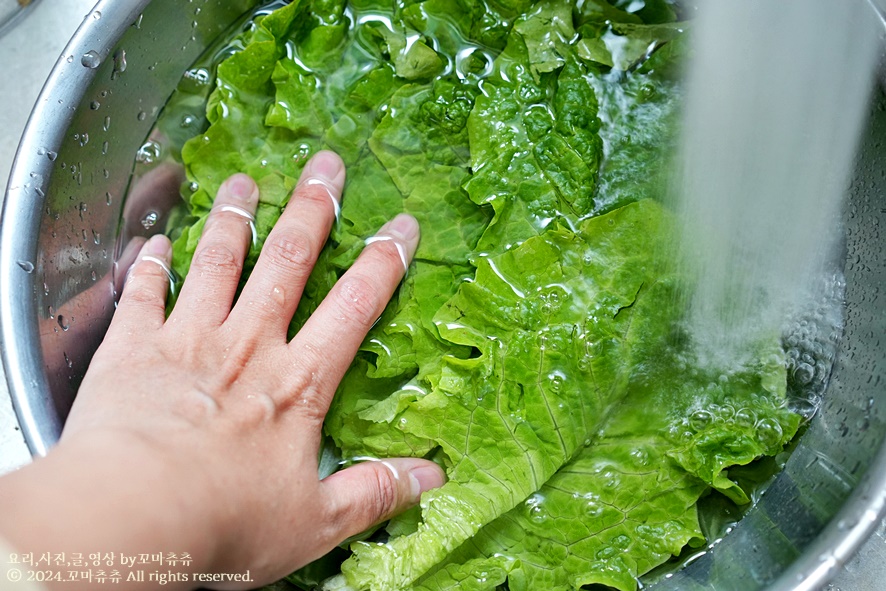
<point>200,432</point>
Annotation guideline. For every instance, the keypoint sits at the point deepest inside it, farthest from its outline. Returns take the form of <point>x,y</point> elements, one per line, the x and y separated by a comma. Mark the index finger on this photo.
<point>329,340</point>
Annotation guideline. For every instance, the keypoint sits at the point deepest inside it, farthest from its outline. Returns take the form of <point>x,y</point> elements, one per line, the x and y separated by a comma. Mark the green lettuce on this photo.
<point>535,348</point>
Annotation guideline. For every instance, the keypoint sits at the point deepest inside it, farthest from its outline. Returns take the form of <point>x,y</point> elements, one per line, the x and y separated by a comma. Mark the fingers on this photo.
<point>209,289</point>
<point>329,340</point>
<point>143,300</point>
<point>365,494</point>
<point>272,293</point>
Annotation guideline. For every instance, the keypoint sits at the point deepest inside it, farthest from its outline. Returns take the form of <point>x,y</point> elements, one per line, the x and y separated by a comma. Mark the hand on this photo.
<point>208,422</point>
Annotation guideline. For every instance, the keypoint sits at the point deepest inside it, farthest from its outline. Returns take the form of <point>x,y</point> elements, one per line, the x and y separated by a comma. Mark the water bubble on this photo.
<point>700,420</point>
<point>187,121</point>
<point>68,361</point>
<point>141,116</point>
<point>70,59</point>
<point>149,220</point>
<point>726,411</point>
<point>769,432</point>
<point>96,14</point>
<point>95,105</point>
<point>105,147</point>
<point>555,382</point>
<point>745,417</point>
<point>91,59</point>
<point>63,322</point>
<point>26,266</point>
<point>803,373</point>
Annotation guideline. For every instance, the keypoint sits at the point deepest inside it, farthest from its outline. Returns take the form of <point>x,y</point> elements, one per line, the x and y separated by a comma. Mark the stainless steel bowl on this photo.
<point>65,224</point>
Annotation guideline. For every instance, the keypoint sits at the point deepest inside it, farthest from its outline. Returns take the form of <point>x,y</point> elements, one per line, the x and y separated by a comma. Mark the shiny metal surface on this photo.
<point>57,217</point>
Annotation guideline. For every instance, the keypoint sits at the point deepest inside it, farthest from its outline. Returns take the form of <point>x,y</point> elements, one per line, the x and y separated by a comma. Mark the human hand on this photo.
<point>214,415</point>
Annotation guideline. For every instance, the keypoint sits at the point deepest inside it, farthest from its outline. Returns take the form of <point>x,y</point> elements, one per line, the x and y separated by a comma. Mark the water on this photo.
<point>775,101</point>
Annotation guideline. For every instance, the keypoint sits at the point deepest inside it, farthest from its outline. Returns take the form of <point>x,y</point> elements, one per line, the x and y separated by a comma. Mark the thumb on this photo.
<point>365,494</point>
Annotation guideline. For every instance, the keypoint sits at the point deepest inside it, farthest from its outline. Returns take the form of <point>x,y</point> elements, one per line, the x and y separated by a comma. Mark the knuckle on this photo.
<point>384,492</point>
<point>357,298</point>
<point>301,394</point>
<point>316,195</point>
<point>218,259</point>
<point>141,295</point>
<point>294,252</point>
<point>389,254</point>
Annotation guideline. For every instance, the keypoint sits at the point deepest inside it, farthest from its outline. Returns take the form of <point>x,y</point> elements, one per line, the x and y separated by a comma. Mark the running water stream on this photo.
<point>777,94</point>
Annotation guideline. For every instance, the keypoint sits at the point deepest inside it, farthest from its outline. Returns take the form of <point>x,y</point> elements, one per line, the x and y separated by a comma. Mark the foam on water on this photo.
<point>777,93</point>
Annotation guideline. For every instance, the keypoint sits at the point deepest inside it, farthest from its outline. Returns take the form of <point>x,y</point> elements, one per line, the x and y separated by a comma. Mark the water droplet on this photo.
<point>95,105</point>
<point>555,382</point>
<point>107,123</point>
<point>621,541</point>
<point>141,116</point>
<point>534,509</point>
<point>63,323</point>
<point>149,220</point>
<point>83,139</point>
<point>108,198</point>
<point>119,63</point>
<point>27,266</point>
<point>68,361</point>
<point>91,59</point>
<point>593,507</point>
<point>96,14</point>
<point>149,153</point>
<point>138,22</point>
<point>641,456</point>
<point>96,237</point>
<point>700,420</point>
<point>70,59</point>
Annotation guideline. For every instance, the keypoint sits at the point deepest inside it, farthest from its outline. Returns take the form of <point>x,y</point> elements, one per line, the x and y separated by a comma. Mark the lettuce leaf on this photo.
<point>534,348</point>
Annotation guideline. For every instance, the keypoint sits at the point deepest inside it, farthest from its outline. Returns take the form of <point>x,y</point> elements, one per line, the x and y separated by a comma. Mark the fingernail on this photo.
<point>327,166</point>
<point>403,227</point>
<point>158,245</point>
<point>242,187</point>
<point>423,478</point>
